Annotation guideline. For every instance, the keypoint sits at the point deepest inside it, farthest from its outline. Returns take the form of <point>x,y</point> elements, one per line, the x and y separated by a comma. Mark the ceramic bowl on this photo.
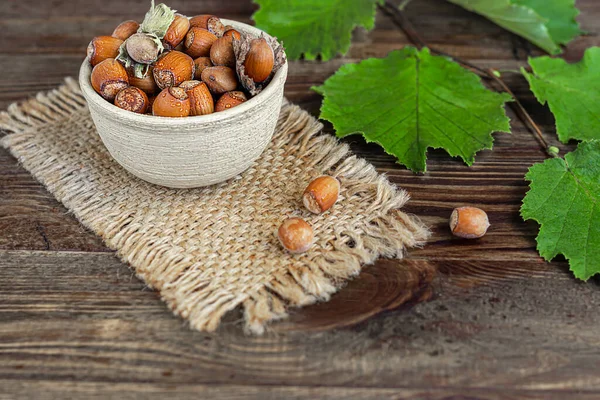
<point>190,151</point>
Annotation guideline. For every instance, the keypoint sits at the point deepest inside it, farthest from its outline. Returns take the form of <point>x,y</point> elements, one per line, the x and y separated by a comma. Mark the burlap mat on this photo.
<point>209,250</point>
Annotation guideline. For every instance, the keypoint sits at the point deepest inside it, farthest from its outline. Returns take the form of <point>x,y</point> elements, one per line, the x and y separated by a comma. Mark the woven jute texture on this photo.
<point>209,250</point>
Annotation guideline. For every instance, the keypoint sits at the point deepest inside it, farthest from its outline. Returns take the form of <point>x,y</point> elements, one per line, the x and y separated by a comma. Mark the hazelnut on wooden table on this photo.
<point>469,222</point>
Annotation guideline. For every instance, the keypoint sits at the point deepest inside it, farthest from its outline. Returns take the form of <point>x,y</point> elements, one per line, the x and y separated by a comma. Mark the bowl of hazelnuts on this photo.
<point>184,102</point>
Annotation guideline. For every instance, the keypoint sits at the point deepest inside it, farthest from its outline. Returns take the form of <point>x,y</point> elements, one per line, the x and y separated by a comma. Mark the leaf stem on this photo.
<point>524,115</point>
<point>491,74</point>
<point>406,26</point>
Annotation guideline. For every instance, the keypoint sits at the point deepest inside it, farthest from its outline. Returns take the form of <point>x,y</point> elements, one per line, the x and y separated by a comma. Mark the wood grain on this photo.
<point>485,319</point>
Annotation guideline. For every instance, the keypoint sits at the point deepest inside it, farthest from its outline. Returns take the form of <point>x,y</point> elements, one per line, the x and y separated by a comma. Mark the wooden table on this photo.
<point>485,319</point>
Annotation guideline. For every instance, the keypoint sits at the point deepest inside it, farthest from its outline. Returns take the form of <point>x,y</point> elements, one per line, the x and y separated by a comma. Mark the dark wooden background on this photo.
<point>485,319</point>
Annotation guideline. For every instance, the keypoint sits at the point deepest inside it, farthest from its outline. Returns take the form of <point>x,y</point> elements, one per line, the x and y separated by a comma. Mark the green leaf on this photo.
<point>545,23</point>
<point>313,27</point>
<point>410,101</point>
<point>565,200</point>
<point>572,92</point>
<point>560,16</point>
<point>157,20</point>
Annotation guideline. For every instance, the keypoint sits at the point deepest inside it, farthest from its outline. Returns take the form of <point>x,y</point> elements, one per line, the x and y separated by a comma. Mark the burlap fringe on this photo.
<point>186,290</point>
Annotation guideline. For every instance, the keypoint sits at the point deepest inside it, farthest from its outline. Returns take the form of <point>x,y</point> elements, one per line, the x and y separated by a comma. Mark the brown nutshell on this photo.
<point>233,33</point>
<point>146,83</point>
<point>172,69</point>
<point>211,23</point>
<point>198,42</point>
<point>103,47</point>
<point>177,31</point>
<point>132,99</point>
<point>295,235</point>
<point>126,29</point>
<point>230,100</point>
<point>321,194</point>
<point>221,52</point>
<point>171,102</point>
<point>200,64</point>
<point>220,79</point>
<point>469,222</point>
<point>201,100</point>
<point>108,78</point>
<point>259,60</point>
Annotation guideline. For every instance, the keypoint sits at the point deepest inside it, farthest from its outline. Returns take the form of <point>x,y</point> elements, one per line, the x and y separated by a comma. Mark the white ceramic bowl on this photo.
<point>191,151</point>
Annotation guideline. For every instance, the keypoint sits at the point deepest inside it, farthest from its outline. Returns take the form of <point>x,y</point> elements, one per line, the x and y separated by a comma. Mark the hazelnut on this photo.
<point>103,47</point>
<point>146,83</point>
<point>209,22</point>
<point>230,100</point>
<point>201,101</point>
<point>108,78</point>
<point>189,85</point>
<point>220,79</point>
<point>469,222</point>
<point>142,48</point>
<point>321,194</point>
<point>198,42</point>
<point>259,60</point>
<point>221,52</point>
<point>233,33</point>
<point>172,69</point>
<point>132,99</point>
<point>200,64</point>
<point>125,29</point>
<point>171,102</point>
<point>295,235</point>
<point>177,31</point>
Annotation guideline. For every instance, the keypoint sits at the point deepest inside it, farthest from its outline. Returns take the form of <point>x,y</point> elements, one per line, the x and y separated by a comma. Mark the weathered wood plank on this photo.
<point>83,317</point>
<point>150,391</point>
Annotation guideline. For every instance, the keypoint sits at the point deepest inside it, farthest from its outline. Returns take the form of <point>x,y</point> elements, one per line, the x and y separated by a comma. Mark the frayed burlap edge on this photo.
<point>161,266</point>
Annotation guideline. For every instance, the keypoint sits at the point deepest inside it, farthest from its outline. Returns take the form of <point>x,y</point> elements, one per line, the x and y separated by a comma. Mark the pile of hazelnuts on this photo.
<point>191,72</point>
<point>295,234</point>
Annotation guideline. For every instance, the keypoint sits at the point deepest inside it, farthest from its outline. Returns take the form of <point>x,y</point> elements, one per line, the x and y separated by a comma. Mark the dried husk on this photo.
<point>241,48</point>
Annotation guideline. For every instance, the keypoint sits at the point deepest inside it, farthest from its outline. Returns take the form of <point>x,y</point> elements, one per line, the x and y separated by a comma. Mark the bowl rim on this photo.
<point>278,80</point>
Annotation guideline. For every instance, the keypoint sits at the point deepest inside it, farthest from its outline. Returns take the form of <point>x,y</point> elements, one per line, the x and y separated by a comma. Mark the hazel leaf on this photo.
<point>564,198</point>
<point>315,27</point>
<point>410,101</point>
<point>545,23</point>
<point>572,91</point>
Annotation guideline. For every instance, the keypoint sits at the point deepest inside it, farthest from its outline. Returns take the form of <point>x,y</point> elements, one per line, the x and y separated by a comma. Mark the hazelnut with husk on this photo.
<point>253,57</point>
